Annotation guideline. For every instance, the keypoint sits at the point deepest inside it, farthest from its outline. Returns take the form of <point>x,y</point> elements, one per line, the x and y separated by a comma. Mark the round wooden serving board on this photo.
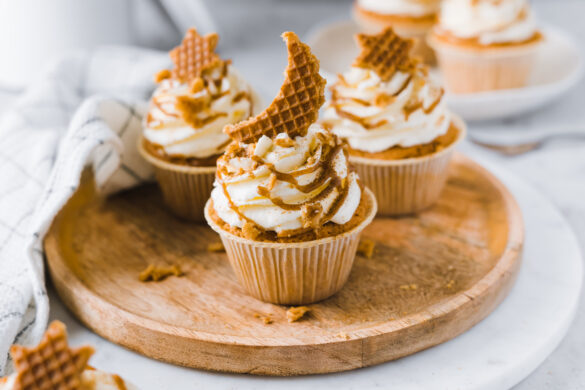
<point>431,278</point>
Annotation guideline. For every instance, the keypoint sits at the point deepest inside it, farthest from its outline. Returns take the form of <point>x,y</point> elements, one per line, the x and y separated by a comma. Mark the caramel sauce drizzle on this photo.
<point>326,177</point>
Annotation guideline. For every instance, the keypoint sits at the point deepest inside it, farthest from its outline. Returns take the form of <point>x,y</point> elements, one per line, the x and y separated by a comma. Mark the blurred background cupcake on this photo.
<point>409,18</point>
<point>183,134</point>
<point>484,45</point>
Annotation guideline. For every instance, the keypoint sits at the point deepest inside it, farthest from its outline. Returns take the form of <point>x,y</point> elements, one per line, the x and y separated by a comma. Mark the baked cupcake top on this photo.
<point>487,22</point>
<point>194,101</point>
<point>283,174</point>
<point>386,98</point>
<point>413,8</point>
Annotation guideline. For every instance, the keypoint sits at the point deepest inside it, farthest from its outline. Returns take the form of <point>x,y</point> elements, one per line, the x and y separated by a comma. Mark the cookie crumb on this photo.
<point>296,313</point>
<point>162,75</point>
<point>343,335</point>
<point>266,319</point>
<point>450,284</point>
<point>250,231</point>
<point>216,247</point>
<point>412,286</point>
<point>366,247</point>
<point>157,273</point>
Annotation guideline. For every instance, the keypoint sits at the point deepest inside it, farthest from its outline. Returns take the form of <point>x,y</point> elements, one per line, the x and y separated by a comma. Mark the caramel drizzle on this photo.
<point>326,177</point>
<point>411,108</point>
<point>362,121</point>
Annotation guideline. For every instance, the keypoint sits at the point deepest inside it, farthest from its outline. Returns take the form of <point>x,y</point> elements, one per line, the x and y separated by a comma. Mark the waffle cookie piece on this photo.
<point>194,55</point>
<point>51,365</point>
<point>297,104</point>
<point>385,53</point>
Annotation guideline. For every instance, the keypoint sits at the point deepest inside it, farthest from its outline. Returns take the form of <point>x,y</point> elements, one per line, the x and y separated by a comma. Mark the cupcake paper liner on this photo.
<point>469,71</point>
<point>185,189</point>
<point>293,273</point>
<point>411,185</point>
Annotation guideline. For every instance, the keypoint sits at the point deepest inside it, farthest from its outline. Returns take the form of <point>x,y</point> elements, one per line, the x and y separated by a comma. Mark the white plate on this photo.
<point>558,68</point>
<point>497,353</point>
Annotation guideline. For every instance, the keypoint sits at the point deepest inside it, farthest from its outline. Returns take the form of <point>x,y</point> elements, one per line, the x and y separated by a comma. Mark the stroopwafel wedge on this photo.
<point>195,54</point>
<point>385,53</point>
<point>51,365</point>
<point>297,104</point>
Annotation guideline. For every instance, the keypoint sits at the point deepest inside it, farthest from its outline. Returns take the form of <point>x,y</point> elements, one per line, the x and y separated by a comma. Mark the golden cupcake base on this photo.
<point>293,273</point>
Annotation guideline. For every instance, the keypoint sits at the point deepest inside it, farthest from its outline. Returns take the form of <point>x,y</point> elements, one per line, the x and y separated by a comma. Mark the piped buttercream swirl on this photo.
<point>374,115</point>
<point>287,186</point>
<point>187,121</point>
<point>488,21</point>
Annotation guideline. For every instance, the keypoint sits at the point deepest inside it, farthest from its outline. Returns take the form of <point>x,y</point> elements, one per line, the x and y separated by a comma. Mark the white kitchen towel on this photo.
<point>85,109</point>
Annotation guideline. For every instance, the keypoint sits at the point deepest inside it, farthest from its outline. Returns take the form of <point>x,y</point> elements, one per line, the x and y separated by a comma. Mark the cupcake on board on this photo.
<point>286,204</point>
<point>485,45</point>
<point>401,135</point>
<point>183,135</point>
<point>54,365</point>
<point>409,18</point>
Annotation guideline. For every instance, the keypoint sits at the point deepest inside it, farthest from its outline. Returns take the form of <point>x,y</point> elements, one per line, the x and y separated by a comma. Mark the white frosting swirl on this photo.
<point>411,112</point>
<point>415,8</point>
<point>166,127</point>
<point>240,181</point>
<point>490,21</point>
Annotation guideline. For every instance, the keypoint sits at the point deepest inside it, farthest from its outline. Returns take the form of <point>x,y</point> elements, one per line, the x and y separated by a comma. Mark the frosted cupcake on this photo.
<point>183,134</point>
<point>409,18</point>
<point>286,205</point>
<point>485,45</point>
<point>401,135</point>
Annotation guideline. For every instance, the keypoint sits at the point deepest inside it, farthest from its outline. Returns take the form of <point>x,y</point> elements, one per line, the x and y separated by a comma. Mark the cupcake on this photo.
<point>485,45</point>
<point>409,18</point>
<point>183,135</point>
<point>401,135</point>
<point>285,203</point>
<point>54,365</point>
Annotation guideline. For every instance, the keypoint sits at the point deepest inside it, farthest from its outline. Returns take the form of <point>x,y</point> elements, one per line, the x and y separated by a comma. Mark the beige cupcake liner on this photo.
<point>407,186</point>
<point>293,273</point>
<point>412,29</point>
<point>185,189</point>
<point>470,71</point>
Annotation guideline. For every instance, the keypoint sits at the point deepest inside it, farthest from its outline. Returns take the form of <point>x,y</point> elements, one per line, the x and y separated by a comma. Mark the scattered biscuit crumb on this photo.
<point>216,247</point>
<point>162,75</point>
<point>250,231</point>
<point>412,286</point>
<point>284,142</point>
<point>197,85</point>
<point>157,273</point>
<point>450,284</point>
<point>343,335</point>
<point>296,313</point>
<point>366,247</point>
<point>266,319</point>
<point>272,182</point>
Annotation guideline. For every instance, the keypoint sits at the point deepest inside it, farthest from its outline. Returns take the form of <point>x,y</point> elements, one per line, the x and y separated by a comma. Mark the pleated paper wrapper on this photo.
<point>185,189</point>
<point>407,186</point>
<point>293,273</point>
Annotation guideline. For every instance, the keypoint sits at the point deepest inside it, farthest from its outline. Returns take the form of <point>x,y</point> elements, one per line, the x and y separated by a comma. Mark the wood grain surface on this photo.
<point>432,277</point>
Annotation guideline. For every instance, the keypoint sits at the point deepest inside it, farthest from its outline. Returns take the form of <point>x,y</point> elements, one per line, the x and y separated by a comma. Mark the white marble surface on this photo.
<point>557,171</point>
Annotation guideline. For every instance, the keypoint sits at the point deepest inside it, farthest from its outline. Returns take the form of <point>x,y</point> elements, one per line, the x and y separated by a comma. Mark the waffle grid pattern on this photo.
<point>194,55</point>
<point>385,53</point>
<point>52,365</point>
<point>297,104</point>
